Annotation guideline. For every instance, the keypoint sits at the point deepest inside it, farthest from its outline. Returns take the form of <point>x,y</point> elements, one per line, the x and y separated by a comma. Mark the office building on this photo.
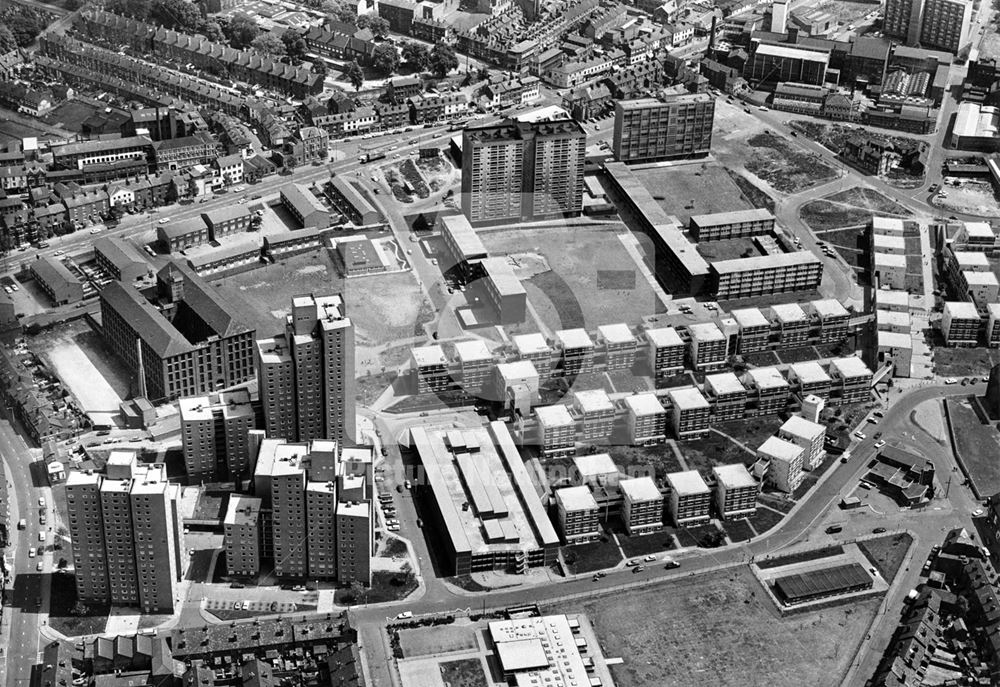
<point>645,418</point>
<point>666,351</point>
<point>767,391</point>
<point>735,491</point>
<point>127,534</point>
<point>577,351</point>
<point>809,436</point>
<point>785,459</point>
<point>597,413</point>
<point>475,363</point>
<point>306,374</point>
<point>649,129</point>
<point>619,345</point>
<point>241,540</point>
<point>727,396</point>
<point>214,436</point>
<point>851,380</point>
<point>556,430</point>
<point>642,505</point>
<point>522,171</point>
<point>690,498</point>
<point>577,510</point>
<point>960,324</point>
<point>754,329</point>
<point>689,413</point>
<point>185,342</point>
<point>791,323</point>
<point>708,347</point>
<point>809,378</point>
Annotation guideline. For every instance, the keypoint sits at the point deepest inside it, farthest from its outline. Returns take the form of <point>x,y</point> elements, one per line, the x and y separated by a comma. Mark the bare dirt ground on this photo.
<point>972,197</point>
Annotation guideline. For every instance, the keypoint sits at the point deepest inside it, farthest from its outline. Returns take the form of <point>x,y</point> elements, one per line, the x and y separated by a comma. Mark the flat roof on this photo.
<point>731,217</point>
<point>232,404</point>
<point>893,225</point>
<point>616,333</point>
<point>467,242</point>
<point>889,241</point>
<point>809,372</point>
<point>980,278</point>
<point>644,404</point>
<point>640,489</point>
<point>764,262</point>
<point>564,666</point>
<point>706,331</point>
<point>664,336</point>
<point>851,366</point>
<point>500,272</point>
<point>725,383</point>
<point>469,351</point>
<point>749,317</point>
<point>242,510</point>
<point>891,297</point>
<point>979,230</point>
<point>788,312</point>
<point>994,310</point>
<point>687,398</point>
<point>553,416</point>
<point>519,369</point>
<point>971,258</point>
<point>687,483</point>
<point>595,464</point>
<point>890,260</point>
<point>894,340</point>
<point>767,377</point>
<point>576,498</point>
<point>780,449</point>
<point>592,400</point>
<point>792,53</point>
<point>530,344</point>
<point>574,338</point>
<point>964,310</point>
<point>734,476</point>
<point>522,654</point>
<point>428,355</point>
<point>829,307</point>
<point>798,426</point>
<point>893,318</point>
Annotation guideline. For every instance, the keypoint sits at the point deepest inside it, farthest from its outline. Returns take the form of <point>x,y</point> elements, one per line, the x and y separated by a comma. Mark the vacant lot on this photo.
<point>973,197</point>
<point>694,189</point>
<point>852,209</point>
<point>13,131</point>
<point>962,362</point>
<point>785,167</point>
<point>577,289</point>
<point>467,672</point>
<point>70,114</point>
<point>887,553</point>
<point>444,639</point>
<point>718,629</point>
<point>92,620</point>
<point>977,445</point>
<point>870,199</point>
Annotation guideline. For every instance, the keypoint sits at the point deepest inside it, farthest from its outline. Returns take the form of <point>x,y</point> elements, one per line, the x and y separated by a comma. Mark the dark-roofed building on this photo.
<point>906,477</point>
<point>182,153</point>
<point>230,219</point>
<point>289,243</point>
<point>349,201</point>
<point>57,281</point>
<point>121,260</point>
<point>305,206</point>
<point>191,343</point>
<point>186,233</point>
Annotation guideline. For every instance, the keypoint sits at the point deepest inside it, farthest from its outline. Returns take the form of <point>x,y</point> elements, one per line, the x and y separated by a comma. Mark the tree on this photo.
<point>357,591</point>
<point>443,59</point>
<point>319,67</point>
<point>269,43</point>
<point>79,609</point>
<point>385,58</point>
<point>211,30</point>
<point>139,9</point>
<point>7,40</point>
<point>176,14</point>
<point>241,31</point>
<point>379,26</point>
<point>354,74</point>
<point>417,56</point>
<point>24,24</point>
<point>346,14</point>
<point>295,44</point>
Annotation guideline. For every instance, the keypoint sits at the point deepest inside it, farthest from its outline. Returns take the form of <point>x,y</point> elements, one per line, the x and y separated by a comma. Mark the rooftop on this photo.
<point>829,307</point>
<point>464,236</point>
<point>767,377</point>
<point>731,217</point>
<point>530,344</point>
<point>850,367</point>
<point>982,230</point>
<point>592,401</point>
<point>472,351</point>
<point>231,404</point>
<point>809,372</point>
<point>664,336</point>
<point>786,313</point>
<point>640,489</point>
<point>892,297</point>
<point>616,333</point>
<point>893,318</point>
<point>428,355</point>
<point>779,449</point>
<point>519,369</point>
<point>750,317</point>
<point>761,262</point>
<point>574,338</point>
<point>798,426</point>
<point>963,310</point>
<point>706,331</point>
<point>242,510</point>
<point>595,464</point>
<point>687,483</point>
<point>687,398</point>
<point>501,273</point>
<point>980,278</point>
<point>894,340</point>
<point>644,404</point>
<point>890,260</point>
<point>971,258</point>
<point>724,383</point>
<point>575,499</point>
<point>734,476</point>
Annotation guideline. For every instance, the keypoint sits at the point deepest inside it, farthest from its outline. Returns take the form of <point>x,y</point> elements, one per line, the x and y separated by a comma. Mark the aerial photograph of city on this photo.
<point>500,343</point>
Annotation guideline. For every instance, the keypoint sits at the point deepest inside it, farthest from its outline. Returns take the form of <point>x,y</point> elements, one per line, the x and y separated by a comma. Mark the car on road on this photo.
<point>670,565</point>
<point>833,529</point>
<point>95,230</point>
<point>859,434</point>
<point>393,528</point>
<point>40,566</point>
<point>951,380</point>
<point>162,220</point>
<point>237,585</point>
<point>630,564</point>
<point>978,513</point>
<point>41,502</point>
<point>878,530</point>
<point>638,568</point>
<point>237,605</point>
<point>41,536</point>
<point>405,615</point>
<point>650,558</point>
<point>60,252</point>
<point>408,484</point>
<point>31,552</point>
<point>420,523</point>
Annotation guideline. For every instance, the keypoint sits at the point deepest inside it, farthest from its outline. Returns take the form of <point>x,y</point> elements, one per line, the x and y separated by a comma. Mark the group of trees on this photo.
<point>386,59</point>
<point>19,26</point>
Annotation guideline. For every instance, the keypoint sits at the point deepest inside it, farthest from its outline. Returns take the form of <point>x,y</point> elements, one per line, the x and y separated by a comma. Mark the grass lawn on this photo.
<point>592,556</point>
<point>757,197</point>
<point>978,446</point>
<point>442,640</point>
<point>739,530</point>
<point>844,238</point>
<point>467,583</point>
<point>386,586</point>
<point>61,617</point>
<point>822,215</point>
<point>870,199</point>
<point>814,555</point>
<point>718,629</point>
<point>776,501</point>
<point>656,542</point>
<point>467,672</point>
<point>764,519</point>
<point>887,553</point>
<point>797,355</point>
<point>715,449</point>
<point>659,459</point>
<point>394,548</point>
<point>963,362</point>
<point>785,167</point>
<point>761,359</point>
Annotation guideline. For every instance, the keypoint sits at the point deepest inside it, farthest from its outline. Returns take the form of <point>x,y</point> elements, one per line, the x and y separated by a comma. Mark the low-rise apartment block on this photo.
<point>597,412</point>
<point>689,413</point>
<point>727,395</point>
<point>731,225</point>
<point>767,391</point>
<point>851,380</point>
<point>809,378</point>
<point>792,324</point>
<point>646,419</point>
<point>666,351</point>
<point>785,458</point>
<point>556,430</point>
<point>642,506</point>
<point>735,491</point>
<point>516,384</point>
<point>766,274</point>
<point>503,290</point>
<point>960,324</point>
<point>755,329</point>
<point>619,345</point>
<point>476,364</point>
<point>690,498</point>
<point>534,348</point>
<point>57,281</point>
<point>241,540</point>
<point>807,435</point>
<point>833,319</point>
<point>707,347</point>
<point>577,351</point>
<point>577,514</point>
<point>597,470</point>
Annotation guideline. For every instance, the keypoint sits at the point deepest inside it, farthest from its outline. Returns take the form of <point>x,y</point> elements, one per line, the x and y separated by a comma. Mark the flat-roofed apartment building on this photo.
<point>224,221</point>
<point>977,236</point>
<point>503,290</point>
<point>535,349</point>
<point>505,526</point>
<point>241,536</point>
<point>646,419</point>
<point>475,364</point>
<point>578,512</point>
<point>730,225</point>
<point>767,391</point>
<point>851,380</point>
<point>214,436</point>
<point>993,325</point>
<point>431,368</point>
<point>766,274</point>
<point>642,505</point>
<point>597,413</point>
<point>755,329</point>
<point>676,126</point>
<point>708,346</point>
<point>808,435</point>
<point>727,396</point>
<point>960,324</point>
<point>809,378</point>
<point>465,248</point>
<point>690,498</point>
<point>833,319</point>
<point>666,351</point>
<point>689,413</point>
<point>577,351</point>
<point>792,324</point>
<point>522,171</point>
<point>946,24</point>
<point>785,469</point>
<point>735,491</point>
<point>556,430</point>
<point>190,341</point>
<point>619,345</point>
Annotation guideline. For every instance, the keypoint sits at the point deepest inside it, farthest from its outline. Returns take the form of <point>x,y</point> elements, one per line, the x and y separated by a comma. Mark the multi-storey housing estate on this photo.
<point>241,536</point>
<point>556,429</point>
<point>646,419</point>
<point>649,129</point>
<point>214,435</point>
<point>809,436</point>
<point>960,323</point>
<point>666,351</point>
<point>689,413</point>
<point>735,491</point>
<point>727,396</point>
<point>690,498</point>
<point>785,463</point>
<point>578,512</point>
<point>642,505</point>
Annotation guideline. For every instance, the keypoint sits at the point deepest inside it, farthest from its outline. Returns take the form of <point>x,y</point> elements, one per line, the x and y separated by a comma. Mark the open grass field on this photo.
<point>887,553</point>
<point>655,543</point>
<point>822,215</point>
<point>443,639</point>
<point>693,189</point>
<point>977,446</point>
<point>962,362</point>
<point>466,672</point>
<point>718,629</point>
<point>848,210</point>
<point>785,167</point>
<point>577,289</point>
<point>870,199</point>
<point>14,131</point>
<point>765,519</point>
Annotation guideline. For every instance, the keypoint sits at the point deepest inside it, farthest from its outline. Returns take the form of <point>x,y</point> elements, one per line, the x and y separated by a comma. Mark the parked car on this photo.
<point>670,565</point>
<point>833,529</point>
<point>405,615</point>
<point>878,530</point>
